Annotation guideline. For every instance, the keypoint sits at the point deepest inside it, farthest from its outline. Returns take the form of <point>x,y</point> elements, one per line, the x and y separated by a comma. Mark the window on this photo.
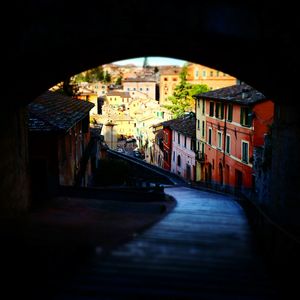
<point>173,155</point>
<point>198,103</point>
<point>198,146</point>
<point>196,74</point>
<point>204,73</point>
<point>229,112</point>
<point>193,145</point>
<point>211,73</point>
<point>203,128</point>
<point>218,73</point>
<point>198,124</point>
<point>227,144</point>
<point>219,110</point>
<point>209,135</point>
<point>185,141</point>
<point>165,79</point>
<point>245,116</point>
<point>141,89</point>
<point>219,136</point>
<point>245,152</point>
<point>178,138</point>
<point>211,109</point>
<point>203,106</point>
<point>178,160</point>
<point>202,150</point>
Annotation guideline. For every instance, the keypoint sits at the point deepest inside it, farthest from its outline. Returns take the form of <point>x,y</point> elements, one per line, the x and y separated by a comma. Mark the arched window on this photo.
<point>178,160</point>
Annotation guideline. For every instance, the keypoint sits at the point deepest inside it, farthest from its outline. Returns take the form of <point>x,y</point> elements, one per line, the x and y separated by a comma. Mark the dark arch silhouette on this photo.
<point>45,42</point>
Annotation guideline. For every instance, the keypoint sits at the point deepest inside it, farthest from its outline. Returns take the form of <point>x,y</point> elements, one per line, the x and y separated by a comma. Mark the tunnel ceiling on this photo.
<point>50,40</point>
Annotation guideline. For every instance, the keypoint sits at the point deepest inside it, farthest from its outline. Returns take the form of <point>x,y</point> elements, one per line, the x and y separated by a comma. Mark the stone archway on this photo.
<point>255,42</point>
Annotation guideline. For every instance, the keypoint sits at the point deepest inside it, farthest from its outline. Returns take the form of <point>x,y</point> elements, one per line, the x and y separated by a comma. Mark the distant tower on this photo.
<point>145,64</point>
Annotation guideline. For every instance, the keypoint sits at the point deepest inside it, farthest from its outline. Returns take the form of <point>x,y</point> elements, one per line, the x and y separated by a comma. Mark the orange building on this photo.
<point>199,74</point>
<point>196,74</point>
<point>237,118</point>
<point>169,78</point>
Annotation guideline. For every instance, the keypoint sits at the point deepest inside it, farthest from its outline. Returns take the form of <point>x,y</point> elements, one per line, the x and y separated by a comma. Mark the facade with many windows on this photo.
<point>179,146</point>
<point>200,137</point>
<point>236,120</point>
<point>140,88</point>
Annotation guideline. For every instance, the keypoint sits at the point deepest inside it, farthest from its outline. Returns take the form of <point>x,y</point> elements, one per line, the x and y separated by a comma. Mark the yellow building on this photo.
<point>89,95</point>
<point>200,138</point>
<point>118,99</point>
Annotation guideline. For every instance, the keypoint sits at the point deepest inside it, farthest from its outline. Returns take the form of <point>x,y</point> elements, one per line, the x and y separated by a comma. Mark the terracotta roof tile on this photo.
<point>53,111</point>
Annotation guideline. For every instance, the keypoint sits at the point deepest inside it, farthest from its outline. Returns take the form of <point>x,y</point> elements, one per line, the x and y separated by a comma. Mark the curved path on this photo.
<point>202,250</point>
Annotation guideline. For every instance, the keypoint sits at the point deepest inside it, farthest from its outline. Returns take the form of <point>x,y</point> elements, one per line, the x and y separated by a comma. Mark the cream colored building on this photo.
<point>140,88</point>
<point>98,87</point>
<point>118,99</point>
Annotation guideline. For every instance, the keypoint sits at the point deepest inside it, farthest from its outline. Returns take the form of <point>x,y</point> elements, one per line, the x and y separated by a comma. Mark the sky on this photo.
<point>152,61</point>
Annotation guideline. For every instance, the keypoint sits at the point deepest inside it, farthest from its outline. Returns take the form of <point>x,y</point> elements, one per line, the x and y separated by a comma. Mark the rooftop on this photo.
<point>119,93</point>
<point>185,125</point>
<point>53,111</point>
<point>240,93</point>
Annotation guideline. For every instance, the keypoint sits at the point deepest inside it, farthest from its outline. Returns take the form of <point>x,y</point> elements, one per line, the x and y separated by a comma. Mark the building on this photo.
<point>59,136</point>
<point>169,78</point>
<point>88,94</point>
<point>236,120</point>
<point>196,74</point>
<point>215,79</point>
<point>157,148</point>
<point>118,99</point>
<point>200,138</point>
<point>179,145</point>
<point>183,162</point>
<point>140,88</point>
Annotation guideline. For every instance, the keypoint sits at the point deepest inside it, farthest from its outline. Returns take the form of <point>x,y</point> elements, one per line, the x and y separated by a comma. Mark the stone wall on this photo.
<point>14,170</point>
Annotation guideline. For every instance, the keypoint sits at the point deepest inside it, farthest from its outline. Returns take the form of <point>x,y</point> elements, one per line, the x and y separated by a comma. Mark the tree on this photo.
<point>119,80</point>
<point>95,74</point>
<point>68,87</point>
<point>182,100</point>
<point>107,77</point>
